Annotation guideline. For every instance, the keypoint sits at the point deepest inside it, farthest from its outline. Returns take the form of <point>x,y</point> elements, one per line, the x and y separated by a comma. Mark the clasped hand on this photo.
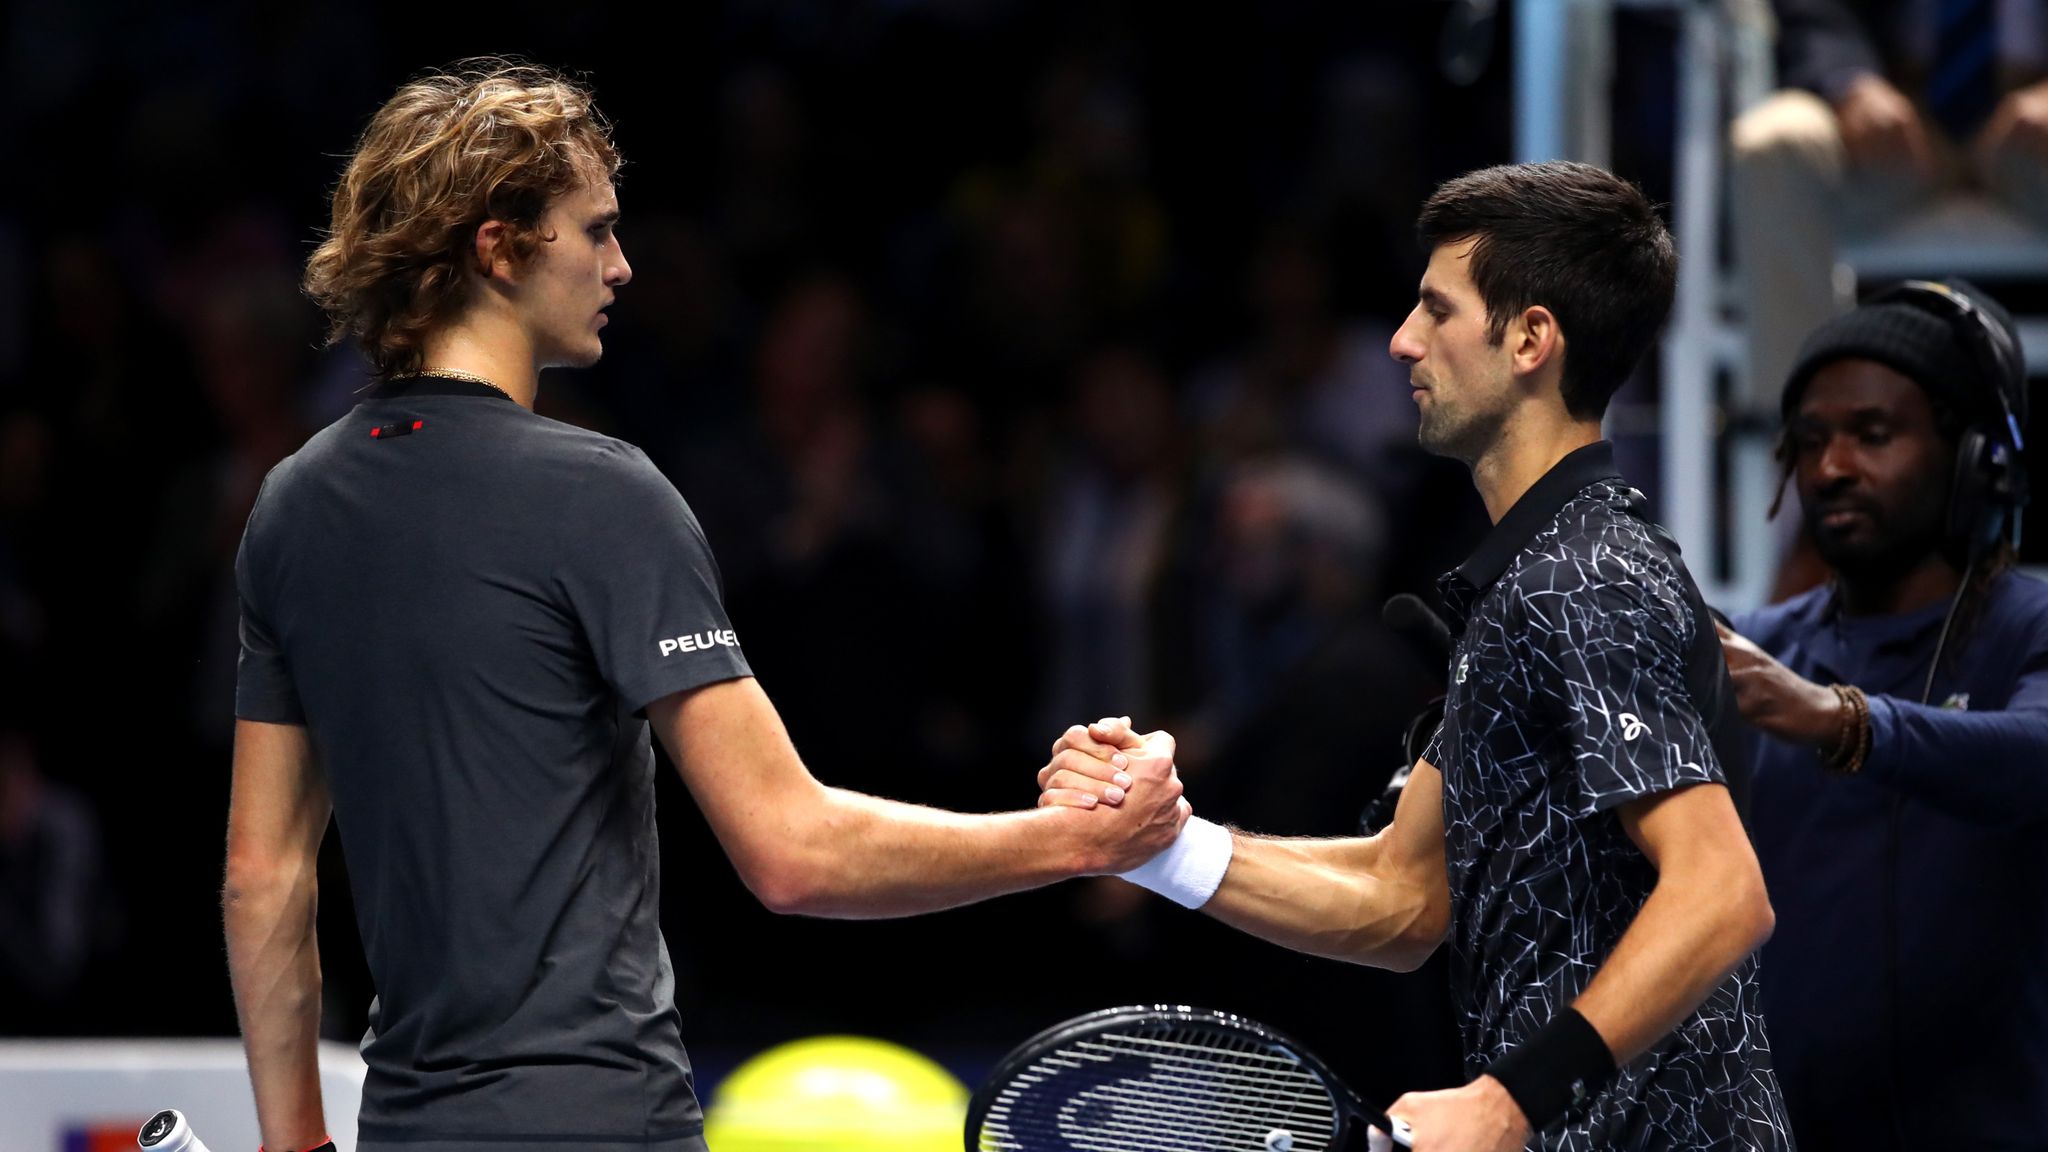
<point>1107,766</point>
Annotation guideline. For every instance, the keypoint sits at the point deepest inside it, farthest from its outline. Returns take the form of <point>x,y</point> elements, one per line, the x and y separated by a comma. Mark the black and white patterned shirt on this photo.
<point>1586,675</point>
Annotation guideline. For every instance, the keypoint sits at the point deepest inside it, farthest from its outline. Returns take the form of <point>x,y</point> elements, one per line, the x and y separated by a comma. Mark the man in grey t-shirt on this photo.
<point>460,621</point>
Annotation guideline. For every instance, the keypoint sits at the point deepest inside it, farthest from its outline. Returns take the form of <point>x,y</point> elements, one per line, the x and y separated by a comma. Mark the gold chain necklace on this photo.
<point>473,378</point>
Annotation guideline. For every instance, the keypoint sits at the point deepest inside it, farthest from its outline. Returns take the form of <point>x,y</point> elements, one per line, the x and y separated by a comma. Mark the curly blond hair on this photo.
<point>483,139</point>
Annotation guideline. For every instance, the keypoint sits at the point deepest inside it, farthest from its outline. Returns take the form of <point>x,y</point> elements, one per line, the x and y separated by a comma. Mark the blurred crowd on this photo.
<point>1024,363</point>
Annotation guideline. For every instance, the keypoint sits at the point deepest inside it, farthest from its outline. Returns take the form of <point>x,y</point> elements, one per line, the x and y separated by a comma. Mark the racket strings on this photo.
<point>1161,1090</point>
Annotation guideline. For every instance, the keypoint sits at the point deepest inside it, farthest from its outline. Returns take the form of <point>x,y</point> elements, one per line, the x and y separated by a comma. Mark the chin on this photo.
<point>1438,440</point>
<point>1861,557</point>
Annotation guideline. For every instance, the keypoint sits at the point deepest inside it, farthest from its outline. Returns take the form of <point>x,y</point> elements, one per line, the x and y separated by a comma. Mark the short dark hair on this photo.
<point>1577,240</point>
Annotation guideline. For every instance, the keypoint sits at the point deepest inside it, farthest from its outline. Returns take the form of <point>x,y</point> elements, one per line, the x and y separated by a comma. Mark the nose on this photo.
<point>1406,346</point>
<point>1837,464</point>
<point>617,271</point>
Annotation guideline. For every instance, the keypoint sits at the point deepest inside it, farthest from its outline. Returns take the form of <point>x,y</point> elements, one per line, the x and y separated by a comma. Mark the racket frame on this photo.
<point>1353,1113</point>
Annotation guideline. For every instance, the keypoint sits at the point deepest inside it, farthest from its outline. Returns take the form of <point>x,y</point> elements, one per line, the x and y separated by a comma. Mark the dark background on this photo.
<point>1025,363</point>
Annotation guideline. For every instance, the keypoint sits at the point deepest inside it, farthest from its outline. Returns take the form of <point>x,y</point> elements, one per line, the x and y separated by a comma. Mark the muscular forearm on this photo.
<point>1330,898</point>
<point>274,963</point>
<point>853,856</point>
<point>1987,767</point>
<point>1691,932</point>
<point>802,847</point>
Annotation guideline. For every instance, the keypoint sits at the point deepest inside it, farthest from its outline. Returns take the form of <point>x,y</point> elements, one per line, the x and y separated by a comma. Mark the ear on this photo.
<point>1534,341</point>
<point>493,251</point>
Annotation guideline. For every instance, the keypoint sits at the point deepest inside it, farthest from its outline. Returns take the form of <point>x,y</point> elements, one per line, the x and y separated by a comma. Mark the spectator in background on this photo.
<point>1064,243</point>
<point>1886,105</point>
<point>767,211</point>
<point>55,914</point>
<point>1320,384</point>
<point>1284,614</point>
<point>1107,531</point>
<point>1310,378</point>
<point>250,334</point>
<point>25,450</point>
<point>797,501</point>
<point>799,485</point>
<point>1295,644</point>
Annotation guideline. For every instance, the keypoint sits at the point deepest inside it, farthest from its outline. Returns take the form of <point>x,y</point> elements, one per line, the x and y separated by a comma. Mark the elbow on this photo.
<point>788,870</point>
<point>788,881</point>
<point>1405,956</point>
<point>1745,918</point>
<point>784,891</point>
<point>788,852</point>
<point>1417,940</point>
<point>253,880</point>
<point>1762,919</point>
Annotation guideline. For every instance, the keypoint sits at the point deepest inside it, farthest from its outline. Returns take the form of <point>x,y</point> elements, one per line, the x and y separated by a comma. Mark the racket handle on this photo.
<point>167,1131</point>
<point>1403,1136</point>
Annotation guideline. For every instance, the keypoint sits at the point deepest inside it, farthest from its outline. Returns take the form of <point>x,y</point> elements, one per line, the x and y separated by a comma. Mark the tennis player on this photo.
<point>1571,830</point>
<point>459,623</point>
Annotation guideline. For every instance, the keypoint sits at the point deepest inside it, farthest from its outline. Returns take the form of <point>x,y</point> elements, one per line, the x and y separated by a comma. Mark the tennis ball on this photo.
<point>837,1094</point>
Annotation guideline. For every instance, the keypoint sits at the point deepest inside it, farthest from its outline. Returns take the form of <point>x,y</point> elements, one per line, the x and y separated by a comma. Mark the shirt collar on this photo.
<point>428,385</point>
<point>1537,507</point>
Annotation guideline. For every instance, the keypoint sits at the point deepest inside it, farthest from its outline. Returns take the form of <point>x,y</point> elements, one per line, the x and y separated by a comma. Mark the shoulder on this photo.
<point>607,492</point>
<point>1598,556</point>
<point>591,466</point>
<point>288,480</point>
<point>2021,591</point>
<point>549,437</point>
<point>2019,605</point>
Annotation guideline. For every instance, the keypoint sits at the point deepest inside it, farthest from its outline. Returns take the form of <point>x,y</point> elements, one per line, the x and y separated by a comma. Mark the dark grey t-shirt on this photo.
<point>468,606</point>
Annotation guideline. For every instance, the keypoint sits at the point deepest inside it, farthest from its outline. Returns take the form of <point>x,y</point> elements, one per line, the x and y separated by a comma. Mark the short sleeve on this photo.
<point>645,588</point>
<point>263,677</point>
<point>1607,645</point>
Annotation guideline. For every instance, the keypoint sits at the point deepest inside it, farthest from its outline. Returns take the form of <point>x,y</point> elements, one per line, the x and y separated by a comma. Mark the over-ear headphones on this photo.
<point>1991,484</point>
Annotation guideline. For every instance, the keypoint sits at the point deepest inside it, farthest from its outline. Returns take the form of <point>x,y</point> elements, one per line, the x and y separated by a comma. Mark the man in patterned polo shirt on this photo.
<point>1571,830</point>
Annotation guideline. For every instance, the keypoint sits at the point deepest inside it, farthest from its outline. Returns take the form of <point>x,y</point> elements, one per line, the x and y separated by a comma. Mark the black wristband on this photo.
<point>1563,1064</point>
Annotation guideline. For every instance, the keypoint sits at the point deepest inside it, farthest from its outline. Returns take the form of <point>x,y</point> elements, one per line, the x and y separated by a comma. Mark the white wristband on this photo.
<point>1191,869</point>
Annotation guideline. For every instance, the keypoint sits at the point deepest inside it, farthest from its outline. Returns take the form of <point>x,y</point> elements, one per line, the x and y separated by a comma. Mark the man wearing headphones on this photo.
<point>1901,787</point>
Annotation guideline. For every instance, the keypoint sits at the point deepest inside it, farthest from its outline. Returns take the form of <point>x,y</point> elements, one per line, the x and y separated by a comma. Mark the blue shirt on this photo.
<point>1921,881</point>
<point>1586,675</point>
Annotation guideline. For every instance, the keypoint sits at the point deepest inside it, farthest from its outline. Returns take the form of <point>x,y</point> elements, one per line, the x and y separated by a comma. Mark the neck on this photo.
<point>504,358</point>
<point>1525,451</point>
<point>1929,582</point>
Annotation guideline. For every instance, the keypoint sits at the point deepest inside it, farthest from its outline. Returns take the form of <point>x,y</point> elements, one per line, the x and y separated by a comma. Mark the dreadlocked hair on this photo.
<point>1996,561</point>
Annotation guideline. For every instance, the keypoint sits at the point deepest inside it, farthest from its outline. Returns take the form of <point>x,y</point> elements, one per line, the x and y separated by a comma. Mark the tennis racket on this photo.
<point>1167,1079</point>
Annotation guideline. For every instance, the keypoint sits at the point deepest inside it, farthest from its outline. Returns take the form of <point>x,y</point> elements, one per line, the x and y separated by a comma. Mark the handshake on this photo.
<point>1145,832</point>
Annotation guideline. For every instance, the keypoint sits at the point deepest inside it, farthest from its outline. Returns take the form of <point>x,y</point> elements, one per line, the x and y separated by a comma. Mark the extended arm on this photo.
<point>1990,767</point>
<point>1381,900</point>
<point>806,848</point>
